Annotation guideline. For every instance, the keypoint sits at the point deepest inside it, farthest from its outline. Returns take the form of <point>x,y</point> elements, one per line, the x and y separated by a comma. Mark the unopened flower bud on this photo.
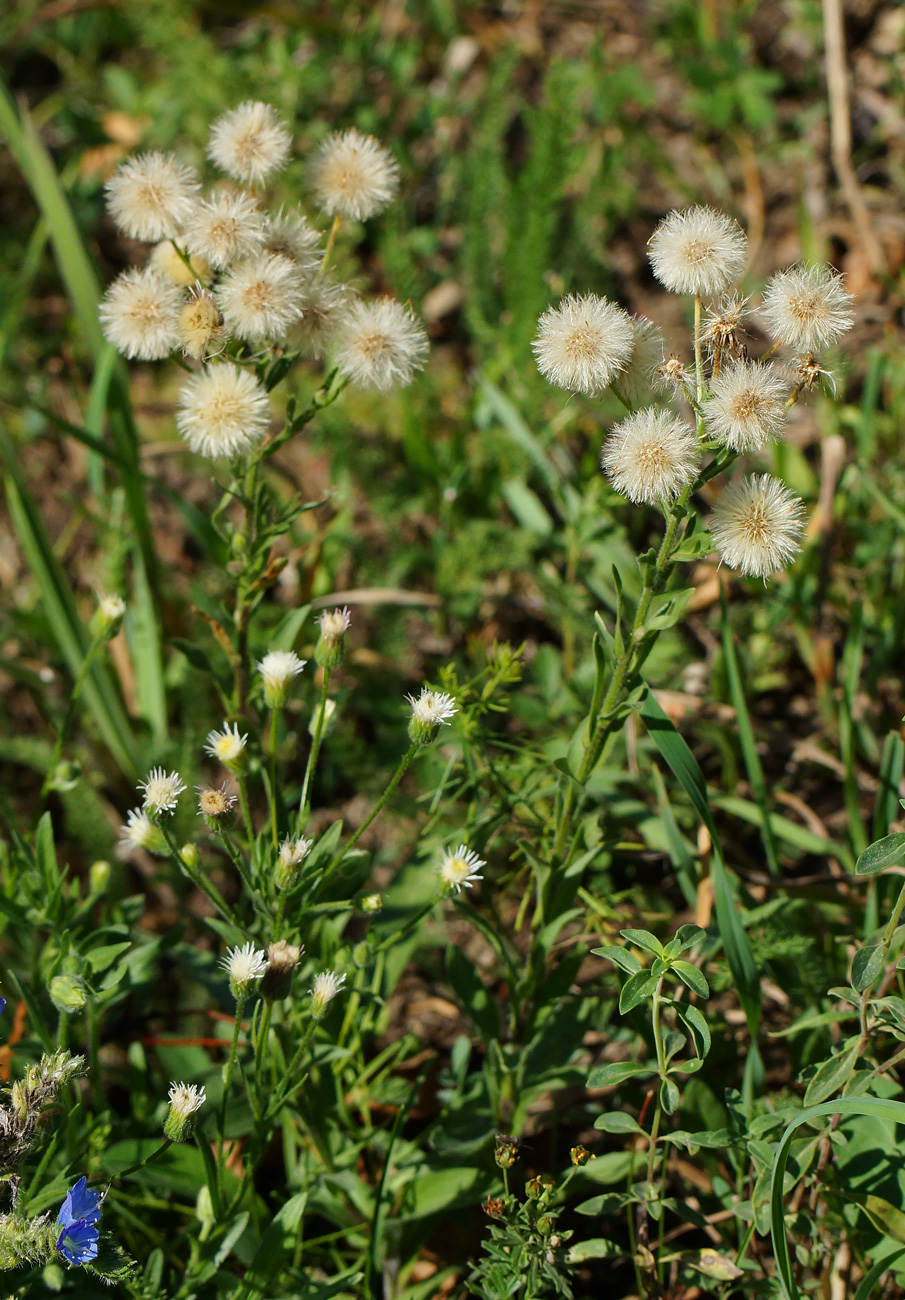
<point>99,877</point>
<point>331,643</point>
<point>189,856</point>
<point>505,1151</point>
<point>185,1100</point>
<point>580,1156</point>
<point>108,617</point>
<point>282,959</point>
<point>372,903</point>
<point>429,711</point>
<point>545,1225</point>
<point>67,993</point>
<point>534,1187</point>
<point>329,716</point>
<point>326,987</point>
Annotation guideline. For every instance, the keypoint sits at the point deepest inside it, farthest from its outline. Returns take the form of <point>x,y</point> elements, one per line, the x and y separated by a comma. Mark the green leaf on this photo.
<point>276,1244</point>
<point>100,959</point>
<point>617,1121</point>
<point>644,939</point>
<point>691,976</point>
<point>832,1074</point>
<point>473,995</point>
<point>669,1096</point>
<point>635,989</point>
<point>885,1216</point>
<point>694,1018</point>
<point>621,957</point>
<point>607,1076</point>
<point>868,964</point>
<point>888,852</point>
<point>527,507</point>
<point>595,1248</point>
<point>869,1282</point>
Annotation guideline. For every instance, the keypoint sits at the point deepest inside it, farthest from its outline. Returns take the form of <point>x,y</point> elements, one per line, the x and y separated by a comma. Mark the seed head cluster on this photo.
<point>582,344</point>
<point>757,525</point>
<point>747,406</point>
<point>699,251</point>
<point>353,175</point>
<point>651,456</point>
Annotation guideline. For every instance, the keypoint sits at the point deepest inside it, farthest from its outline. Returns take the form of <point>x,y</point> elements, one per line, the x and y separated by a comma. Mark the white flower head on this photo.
<point>186,1099</point>
<point>458,867</point>
<point>112,608</point>
<point>808,307</point>
<point>321,308</point>
<point>223,412</point>
<point>293,852</point>
<point>584,343</point>
<point>747,405</point>
<point>326,986</point>
<point>224,229</point>
<point>108,617</point>
<point>139,832</point>
<point>278,668</point>
<point>699,251</point>
<point>162,790</point>
<point>250,142</point>
<point>261,297</point>
<point>292,235</point>
<point>353,175</point>
<point>380,344</point>
<point>245,967</point>
<point>152,196</point>
<point>636,380</point>
<point>216,804</point>
<point>201,326</point>
<point>165,260</point>
<point>228,746</point>
<point>140,314</point>
<point>335,623</point>
<point>757,525</point>
<point>650,456</point>
<point>429,711</point>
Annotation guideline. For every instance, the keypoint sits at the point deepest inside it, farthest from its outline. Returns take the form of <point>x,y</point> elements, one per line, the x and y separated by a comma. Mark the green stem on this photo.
<point>410,924</point>
<point>330,241</point>
<point>272,767</point>
<point>893,921</point>
<point>396,778</point>
<point>164,1146</point>
<point>197,878</point>
<point>286,1092</point>
<point>698,351</point>
<point>304,802</point>
<point>230,1066</point>
<point>246,806</point>
<point>68,720</point>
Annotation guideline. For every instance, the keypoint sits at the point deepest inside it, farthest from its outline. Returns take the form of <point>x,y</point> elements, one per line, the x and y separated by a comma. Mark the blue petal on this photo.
<point>85,1203</point>
<point>2,1005</point>
<point>78,1242</point>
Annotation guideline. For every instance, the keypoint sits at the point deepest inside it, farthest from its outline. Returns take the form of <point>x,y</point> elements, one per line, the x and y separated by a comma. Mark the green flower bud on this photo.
<point>185,1100</point>
<point>99,877</point>
<point>429,711</point>
<point>68,994</point>
<point>108,617</point>
<point>330,649</point>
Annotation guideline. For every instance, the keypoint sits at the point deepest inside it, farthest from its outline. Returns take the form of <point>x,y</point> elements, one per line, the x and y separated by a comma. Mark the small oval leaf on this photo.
<point>884,853</point>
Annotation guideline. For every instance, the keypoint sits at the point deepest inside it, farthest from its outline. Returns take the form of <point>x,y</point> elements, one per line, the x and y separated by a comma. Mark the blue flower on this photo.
<point>78,1218</point>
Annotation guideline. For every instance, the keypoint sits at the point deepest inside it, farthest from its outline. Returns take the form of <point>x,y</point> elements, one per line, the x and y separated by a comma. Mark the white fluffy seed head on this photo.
<point>140,314</point>
<point>201,327</point>
<point>245,966</point>
<point>250,142</point>
<point>584,343</point>
<point>458,867</point>
<point>699,251</point>
<point>326,986</point>
<point>166,261</point>
<point>353,175</point>
<point>222,412</point>
<point>747,405</point>
<point>636,380</point>
<point>139,832</point>
<point>380,344</point>
<point>292,235</point>
<point>757,525</point>
<point>321,308</point>
<point>808,307</point>
<point>161,790</point>
<point>225,228</point>
<point>650,456</point>
<point>261,297</point>
<point>152,196</point>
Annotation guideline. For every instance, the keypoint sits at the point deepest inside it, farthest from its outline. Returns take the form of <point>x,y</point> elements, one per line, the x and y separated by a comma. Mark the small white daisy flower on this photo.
<point>261,297</point>
<point>227,746</point>
<point>216,804</point>
<point>330,649</point>
<point>293,852</point>
<point>429,711</point>
<point>250,142</point>
<point>584,343</point>
<point>747,406</point>
<point>245,967</point>
<point>808,307</point>
<point>379,344</point>
<point>636,380</point>
<point>460,867</point>
<point>278,668</point>
<point>698,251</point>
<point>139,315</point>
<point>326,986</point>
<point>152,196</point>
<point>165,260</point>
<point>321,308</point>
<point>757,525</point>
<point>224,229</point>
<point>139,832</point>
<point>353,175</point>
<point>200,324</point>
<point>162,790</point>
<point>650,456</point>
<point>107,618</point>
<point>223,412</point>
<point>186,1098</point>
<point>292,235</point>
